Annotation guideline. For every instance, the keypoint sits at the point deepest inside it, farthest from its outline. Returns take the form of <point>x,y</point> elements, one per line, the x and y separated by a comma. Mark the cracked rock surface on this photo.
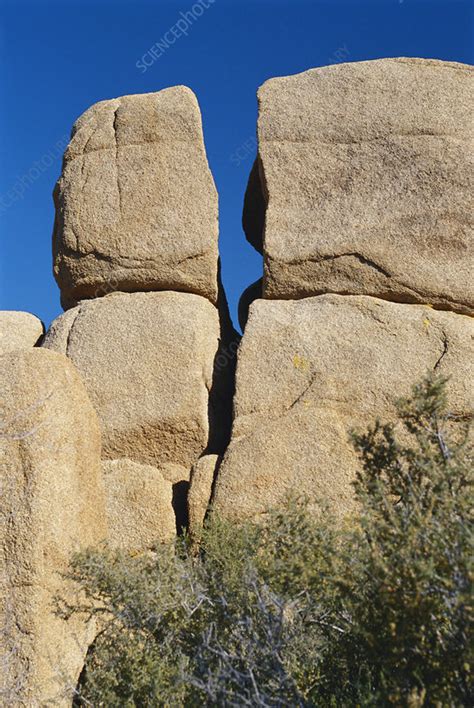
<point>311,370</point>
<point>364,183</point>
<point>147,361</point>
<point>136,204</point>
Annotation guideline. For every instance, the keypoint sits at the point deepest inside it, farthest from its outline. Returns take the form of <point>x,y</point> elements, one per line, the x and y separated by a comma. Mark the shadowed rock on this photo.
<point>203,476</point>
<point>253,292</point>
<point>255,204</point>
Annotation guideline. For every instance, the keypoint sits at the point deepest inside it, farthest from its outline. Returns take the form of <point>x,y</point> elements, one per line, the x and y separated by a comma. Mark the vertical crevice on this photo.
<point>117,165</point>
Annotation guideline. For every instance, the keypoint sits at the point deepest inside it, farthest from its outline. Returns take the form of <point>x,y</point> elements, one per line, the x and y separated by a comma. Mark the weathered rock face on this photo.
<point>139,506</point>
<point>367,172</point>
<point>18,330</point>
<point>361,194</point>
<point>136,205</point>
<point>310,370</point>
<point>147,360</point>
<point>52,504</point>
<point>200,491</point>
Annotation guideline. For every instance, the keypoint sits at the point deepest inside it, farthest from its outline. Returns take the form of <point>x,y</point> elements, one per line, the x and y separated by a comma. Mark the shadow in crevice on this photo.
<point>221,394</point>
<point>77,699</point>
<point>180,506</point>
<point>251,293</point>
<point>213,487</point>
<point>255,207</point>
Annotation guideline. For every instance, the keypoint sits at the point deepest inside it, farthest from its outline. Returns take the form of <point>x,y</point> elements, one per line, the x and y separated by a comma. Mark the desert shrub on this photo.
<point>298,612</point>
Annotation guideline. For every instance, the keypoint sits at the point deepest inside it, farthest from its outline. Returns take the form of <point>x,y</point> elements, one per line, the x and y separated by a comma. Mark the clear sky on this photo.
<point>59,57</point>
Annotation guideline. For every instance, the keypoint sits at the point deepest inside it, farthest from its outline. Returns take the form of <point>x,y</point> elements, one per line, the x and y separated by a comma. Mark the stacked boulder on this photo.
<point>366,169</point>
<point>52,504</point>
<point>136,259</point>
<point>136,204</point>
<point>102,423</point>
<point>361,203</point>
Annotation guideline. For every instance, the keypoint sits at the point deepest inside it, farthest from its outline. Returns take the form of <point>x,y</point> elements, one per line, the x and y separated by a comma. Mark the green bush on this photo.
<point>297,612</point>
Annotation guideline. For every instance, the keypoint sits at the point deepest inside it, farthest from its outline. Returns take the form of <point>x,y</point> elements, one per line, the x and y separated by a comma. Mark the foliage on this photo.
<point>298,612</point>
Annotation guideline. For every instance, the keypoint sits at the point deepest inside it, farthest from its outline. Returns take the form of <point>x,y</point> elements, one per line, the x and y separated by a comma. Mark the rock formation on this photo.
<point>359,201</point>
<point>136,204</point>
<point>360,195</point>
<point>149,334</point>
<point>52,504</point>
<point>367,172</point>
<point>311,370</point>
<point>19,330</point>
<point>158,360</point>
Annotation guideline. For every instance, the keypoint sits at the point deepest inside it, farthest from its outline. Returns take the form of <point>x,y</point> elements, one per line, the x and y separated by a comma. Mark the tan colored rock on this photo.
<point>52,504</point>
<point>136,204</point>
<point>311,370</point>
<point>147,360</point>
<point>175,473</point>
<point>368,175</point>
<point>139,506</point>
<point>200,491</point>
<point>18,330</point>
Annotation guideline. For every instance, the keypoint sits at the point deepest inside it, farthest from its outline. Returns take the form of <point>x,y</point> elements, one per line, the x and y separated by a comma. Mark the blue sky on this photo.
<point>58,58</point>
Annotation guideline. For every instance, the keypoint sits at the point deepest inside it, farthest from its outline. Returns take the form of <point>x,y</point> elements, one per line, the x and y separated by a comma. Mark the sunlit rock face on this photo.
<point>136,204</point>
<point>147,361</point>
<point>364,183</point>
<point>52,505</point>
<point>309,371</point>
